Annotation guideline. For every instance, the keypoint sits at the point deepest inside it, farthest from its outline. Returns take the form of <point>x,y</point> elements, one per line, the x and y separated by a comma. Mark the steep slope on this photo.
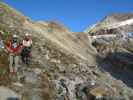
<point>54,46</point>
<point>63,66</point>
<point>59,36</point>
<point>114,44</point>
<point>114,32</point>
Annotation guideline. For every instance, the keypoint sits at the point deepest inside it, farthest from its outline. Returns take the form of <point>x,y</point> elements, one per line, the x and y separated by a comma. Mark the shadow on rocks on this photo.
<point>119,65</point>
<point>13,98</point>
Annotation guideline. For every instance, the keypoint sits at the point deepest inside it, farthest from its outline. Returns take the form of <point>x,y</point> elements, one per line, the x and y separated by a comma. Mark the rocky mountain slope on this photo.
<point>64,64</point>
<point>113,39</point>
<point>114,32</point>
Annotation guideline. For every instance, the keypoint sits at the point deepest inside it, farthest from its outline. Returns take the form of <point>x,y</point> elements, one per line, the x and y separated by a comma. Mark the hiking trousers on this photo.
<point>25,55</point>
<point>13,62</point>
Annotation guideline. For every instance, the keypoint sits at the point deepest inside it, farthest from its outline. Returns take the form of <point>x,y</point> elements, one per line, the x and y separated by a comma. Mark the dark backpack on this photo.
<point>14,43</point>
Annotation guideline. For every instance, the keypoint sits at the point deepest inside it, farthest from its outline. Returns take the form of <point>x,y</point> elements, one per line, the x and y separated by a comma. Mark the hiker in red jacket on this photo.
<point>13,48</point>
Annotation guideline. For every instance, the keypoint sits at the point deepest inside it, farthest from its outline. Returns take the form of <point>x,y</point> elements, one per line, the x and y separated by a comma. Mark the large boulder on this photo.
<point>8,94</point>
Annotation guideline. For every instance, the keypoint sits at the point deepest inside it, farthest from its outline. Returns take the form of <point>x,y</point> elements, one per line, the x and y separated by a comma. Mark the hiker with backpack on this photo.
<point>13,47</point>
<point>26,49</point>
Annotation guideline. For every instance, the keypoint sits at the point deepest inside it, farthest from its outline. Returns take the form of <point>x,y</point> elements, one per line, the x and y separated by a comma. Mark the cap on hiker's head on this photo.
<point>15,36</point>
<point>27,34</point>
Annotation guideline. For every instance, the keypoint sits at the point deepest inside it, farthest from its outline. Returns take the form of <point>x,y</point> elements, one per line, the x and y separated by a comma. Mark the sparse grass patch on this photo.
<point>48,92</point>
<point>4,79</point>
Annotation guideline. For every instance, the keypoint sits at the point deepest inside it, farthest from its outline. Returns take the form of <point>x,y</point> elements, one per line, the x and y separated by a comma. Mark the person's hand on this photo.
<point>9,50</point>
<point>19,52</point>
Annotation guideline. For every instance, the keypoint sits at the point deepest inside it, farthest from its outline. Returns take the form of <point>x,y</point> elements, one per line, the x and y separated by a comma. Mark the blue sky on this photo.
<point>74,14</point>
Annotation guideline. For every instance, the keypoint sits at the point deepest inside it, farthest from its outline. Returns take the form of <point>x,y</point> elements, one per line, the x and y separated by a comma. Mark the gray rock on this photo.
<point>31,77</point>
<point>37,71</point>
<point>8,94</point>
<point>36,95</point>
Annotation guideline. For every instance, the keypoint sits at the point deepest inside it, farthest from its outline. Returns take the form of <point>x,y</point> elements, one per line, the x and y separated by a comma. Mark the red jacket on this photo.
<point>10,48</point>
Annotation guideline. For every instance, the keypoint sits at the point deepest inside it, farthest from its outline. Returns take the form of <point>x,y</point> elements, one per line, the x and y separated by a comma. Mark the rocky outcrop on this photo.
<point>114,45</point>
